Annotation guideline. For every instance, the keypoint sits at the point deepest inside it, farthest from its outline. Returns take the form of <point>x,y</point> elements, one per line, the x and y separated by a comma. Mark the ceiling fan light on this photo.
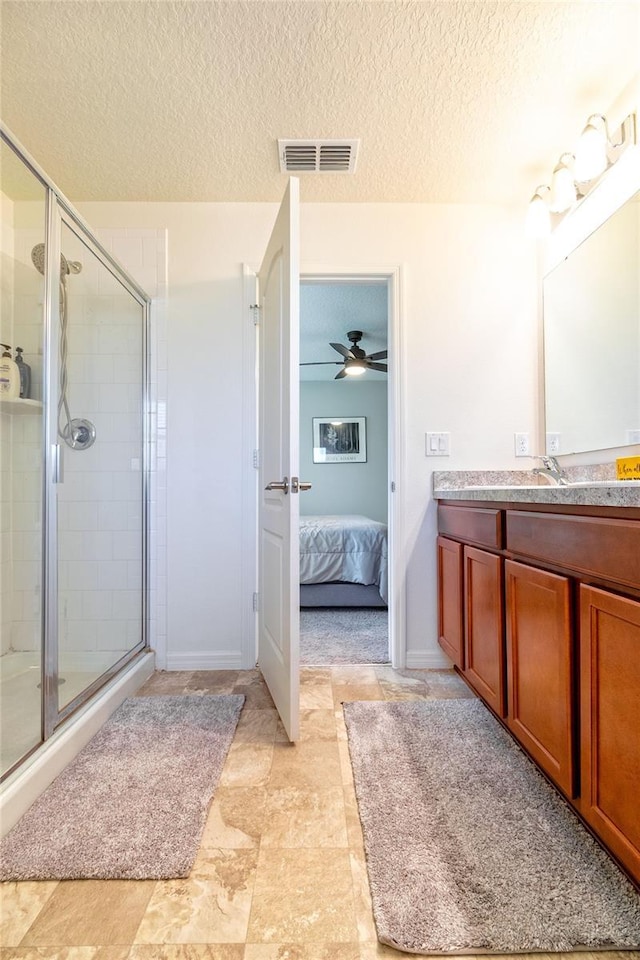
<point>355,368</point>
<point>591,152</point>
<point>563,188</point>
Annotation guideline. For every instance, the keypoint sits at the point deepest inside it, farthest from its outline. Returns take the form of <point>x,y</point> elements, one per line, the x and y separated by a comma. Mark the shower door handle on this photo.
<point>57,463</point>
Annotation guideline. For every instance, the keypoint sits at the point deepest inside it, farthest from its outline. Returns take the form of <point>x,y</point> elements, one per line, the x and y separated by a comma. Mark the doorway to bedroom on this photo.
<point>344,454</point>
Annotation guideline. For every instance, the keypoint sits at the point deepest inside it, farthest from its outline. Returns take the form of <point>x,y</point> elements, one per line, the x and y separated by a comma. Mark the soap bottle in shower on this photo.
<point>9,375</point>
<point>25,375</point>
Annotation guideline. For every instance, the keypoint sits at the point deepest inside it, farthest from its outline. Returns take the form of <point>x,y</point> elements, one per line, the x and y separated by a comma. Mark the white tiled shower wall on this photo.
<point>99,501</point>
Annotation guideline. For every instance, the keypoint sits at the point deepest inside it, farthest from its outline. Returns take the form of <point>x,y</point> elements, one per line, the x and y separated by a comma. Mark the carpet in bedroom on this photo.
<point>343,635</point>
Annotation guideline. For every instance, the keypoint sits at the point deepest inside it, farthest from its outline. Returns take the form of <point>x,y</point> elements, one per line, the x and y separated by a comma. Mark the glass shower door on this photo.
<point>23,207</point>
<point>100,493</point>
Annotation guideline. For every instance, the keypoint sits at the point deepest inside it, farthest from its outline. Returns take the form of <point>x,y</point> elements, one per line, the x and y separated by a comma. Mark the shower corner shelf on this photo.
<point>19,406</point>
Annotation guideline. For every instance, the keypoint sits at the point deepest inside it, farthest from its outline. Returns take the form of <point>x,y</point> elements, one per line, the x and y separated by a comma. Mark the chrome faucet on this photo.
<point>552,470</point>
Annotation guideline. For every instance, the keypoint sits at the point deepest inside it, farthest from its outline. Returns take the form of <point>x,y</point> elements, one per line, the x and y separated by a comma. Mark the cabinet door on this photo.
<point>540,668</point>
<point>610,721</point>
<point>484,626</point>
<point>450,635</point>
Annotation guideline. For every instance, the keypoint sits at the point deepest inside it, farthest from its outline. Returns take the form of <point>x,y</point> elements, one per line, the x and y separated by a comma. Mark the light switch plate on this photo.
<point>437,444</point>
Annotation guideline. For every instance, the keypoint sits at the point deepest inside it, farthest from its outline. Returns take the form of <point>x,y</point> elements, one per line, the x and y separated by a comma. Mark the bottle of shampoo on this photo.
<point>9,375</point>
<point>25,375</point>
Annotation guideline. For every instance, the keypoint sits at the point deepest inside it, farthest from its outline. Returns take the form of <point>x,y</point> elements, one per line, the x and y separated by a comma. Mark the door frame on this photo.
<point>393,275</point>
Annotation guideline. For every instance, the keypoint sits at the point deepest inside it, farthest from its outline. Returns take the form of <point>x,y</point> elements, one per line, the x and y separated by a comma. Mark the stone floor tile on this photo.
<point>310,764</point>
<point>65,953</point>
<point>91,913</point>
<point>316,696</point>
<point>346,692</point>
<point>21,904</point>
<point>247,765</point>
<point>302,951</point>
<point>165,683</point>
<point>303,896</point>
<point>359,674</point>
<point>256,726</point>
<point>362,896</point>
<point>401,691</point>
<point>212,681</point>
<point>187,951</point>
<point>304,818</point>
<point>235,818</point>
<point>210,906</point>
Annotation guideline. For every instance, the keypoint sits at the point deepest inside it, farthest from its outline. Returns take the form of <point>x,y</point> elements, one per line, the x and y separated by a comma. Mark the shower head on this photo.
<point>66,266</point>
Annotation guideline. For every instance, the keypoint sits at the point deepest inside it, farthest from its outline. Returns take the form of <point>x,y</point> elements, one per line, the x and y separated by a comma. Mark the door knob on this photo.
<point>279,485</point>
<point>297,486</point>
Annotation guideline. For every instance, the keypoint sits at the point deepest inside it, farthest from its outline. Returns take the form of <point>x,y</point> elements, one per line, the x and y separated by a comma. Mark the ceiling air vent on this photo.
<point>318,156</point>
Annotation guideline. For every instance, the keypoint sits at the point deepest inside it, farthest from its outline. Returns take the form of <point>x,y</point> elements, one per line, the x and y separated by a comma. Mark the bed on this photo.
<point>339,551</point>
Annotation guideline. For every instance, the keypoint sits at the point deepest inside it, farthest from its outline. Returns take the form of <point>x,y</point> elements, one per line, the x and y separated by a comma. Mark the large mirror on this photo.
<point>592,339</point>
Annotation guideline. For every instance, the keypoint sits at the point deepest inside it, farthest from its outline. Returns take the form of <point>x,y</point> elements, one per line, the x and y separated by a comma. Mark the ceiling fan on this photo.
<point>356,361</point>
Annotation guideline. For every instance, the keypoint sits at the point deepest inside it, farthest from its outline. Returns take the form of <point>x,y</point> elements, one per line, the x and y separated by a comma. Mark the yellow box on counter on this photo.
<point>628,468</point>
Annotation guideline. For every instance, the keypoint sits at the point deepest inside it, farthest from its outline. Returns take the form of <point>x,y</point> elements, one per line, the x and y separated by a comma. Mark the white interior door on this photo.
<point>278,544</point>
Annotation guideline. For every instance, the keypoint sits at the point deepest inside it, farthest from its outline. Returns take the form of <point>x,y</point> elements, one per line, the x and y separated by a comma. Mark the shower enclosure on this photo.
<point>73,462</point>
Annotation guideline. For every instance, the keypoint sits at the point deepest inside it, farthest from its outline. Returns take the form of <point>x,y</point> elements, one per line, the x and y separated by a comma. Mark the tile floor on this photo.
<point>280,874</point>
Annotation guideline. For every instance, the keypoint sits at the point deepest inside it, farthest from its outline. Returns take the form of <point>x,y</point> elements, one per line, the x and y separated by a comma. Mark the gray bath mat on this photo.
<point>133,803</point>
<point>338,635</point>
<point>468,847</point>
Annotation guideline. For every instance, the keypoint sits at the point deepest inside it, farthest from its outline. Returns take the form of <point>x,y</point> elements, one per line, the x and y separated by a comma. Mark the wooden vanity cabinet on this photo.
<point>484,626</point>
<point>610,721</point>
<point>450,623</point>
<point>548,603</point>
<point>540,668</point>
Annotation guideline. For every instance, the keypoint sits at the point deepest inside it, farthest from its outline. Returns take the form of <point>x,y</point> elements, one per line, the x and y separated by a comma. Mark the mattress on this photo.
<point>345,548</point>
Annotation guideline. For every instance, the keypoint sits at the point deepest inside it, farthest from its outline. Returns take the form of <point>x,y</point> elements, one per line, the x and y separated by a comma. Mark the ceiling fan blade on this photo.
<point>380,355</point>
<point>382,367</point>
<point>343,351</point>
<point>321,363</point>
<point>340,375</point>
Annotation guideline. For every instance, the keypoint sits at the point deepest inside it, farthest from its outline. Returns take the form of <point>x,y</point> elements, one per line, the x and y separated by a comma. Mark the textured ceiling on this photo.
<point>452,101</point>
<point>328,311</point>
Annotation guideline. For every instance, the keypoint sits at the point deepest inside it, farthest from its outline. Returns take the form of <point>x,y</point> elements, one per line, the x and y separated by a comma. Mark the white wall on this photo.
<point>345,487</point>
<point>469,366</point>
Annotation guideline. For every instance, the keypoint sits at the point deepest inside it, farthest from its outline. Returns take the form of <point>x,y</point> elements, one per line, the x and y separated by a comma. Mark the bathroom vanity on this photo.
<point>539,609</point>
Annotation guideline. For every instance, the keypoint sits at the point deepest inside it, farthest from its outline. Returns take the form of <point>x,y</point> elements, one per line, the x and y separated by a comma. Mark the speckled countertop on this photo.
<point>588,486</point>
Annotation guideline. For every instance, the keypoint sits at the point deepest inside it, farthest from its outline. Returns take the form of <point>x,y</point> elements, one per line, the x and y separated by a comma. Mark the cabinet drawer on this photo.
<point>481,526</point>
<point>594,546</point>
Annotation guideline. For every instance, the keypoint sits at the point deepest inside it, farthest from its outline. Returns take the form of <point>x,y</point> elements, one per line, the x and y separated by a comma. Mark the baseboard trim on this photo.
<point>225,660</point>
<point>427,660</point>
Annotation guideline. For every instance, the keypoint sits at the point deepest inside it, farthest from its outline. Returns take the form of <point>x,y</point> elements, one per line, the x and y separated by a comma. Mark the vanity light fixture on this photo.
<point>591,152</point>
<point>575,176</point>
<point>538,222</point>
<point>563,188</point>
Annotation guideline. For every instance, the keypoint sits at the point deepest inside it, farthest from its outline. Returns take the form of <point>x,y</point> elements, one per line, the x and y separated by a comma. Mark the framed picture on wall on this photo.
<point>339,439</point>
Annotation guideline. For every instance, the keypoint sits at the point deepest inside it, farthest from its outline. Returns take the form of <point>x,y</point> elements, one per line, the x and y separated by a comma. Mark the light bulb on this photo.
<point>538,221</point>
<point>591,152</point>
<point>563,188</point>
<point>355,368</point>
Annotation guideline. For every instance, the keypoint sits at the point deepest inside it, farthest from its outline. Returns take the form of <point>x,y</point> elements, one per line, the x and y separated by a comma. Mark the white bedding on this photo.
<point>350,549</point>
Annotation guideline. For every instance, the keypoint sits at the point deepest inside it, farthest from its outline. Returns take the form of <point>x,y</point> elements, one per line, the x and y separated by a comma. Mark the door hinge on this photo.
<point>393,486</point>
<point>256,459</point>
<point>255,603</point>
<point>255,313</point>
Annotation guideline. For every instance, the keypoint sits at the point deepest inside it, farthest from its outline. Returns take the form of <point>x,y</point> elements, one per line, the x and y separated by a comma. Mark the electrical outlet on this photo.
<point>522,444</point>
<point>552,445</point>
<point>633,436</point>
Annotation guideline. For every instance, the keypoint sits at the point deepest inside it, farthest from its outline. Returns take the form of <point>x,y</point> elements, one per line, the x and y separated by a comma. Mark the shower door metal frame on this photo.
<point>59,210</point>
